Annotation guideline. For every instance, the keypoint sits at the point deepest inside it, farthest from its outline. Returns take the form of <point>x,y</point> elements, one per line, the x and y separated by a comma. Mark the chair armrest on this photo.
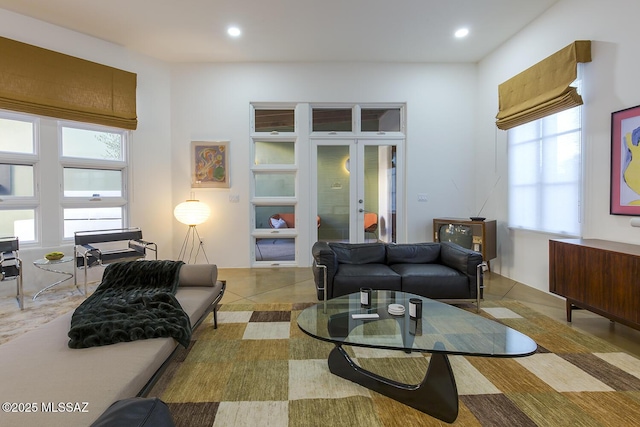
<point>325,264</point>
<point>141,246</point>
<point>87,255</point>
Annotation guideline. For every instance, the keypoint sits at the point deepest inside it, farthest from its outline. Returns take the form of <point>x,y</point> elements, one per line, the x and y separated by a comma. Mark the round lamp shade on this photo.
<point>192,212</point>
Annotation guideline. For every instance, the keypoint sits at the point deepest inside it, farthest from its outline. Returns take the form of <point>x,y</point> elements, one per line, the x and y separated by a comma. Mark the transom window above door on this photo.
<point>332,120</point>
<point>274,120</point>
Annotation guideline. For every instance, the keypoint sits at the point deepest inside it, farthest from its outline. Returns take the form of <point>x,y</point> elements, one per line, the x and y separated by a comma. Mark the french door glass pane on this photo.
<point>333,192</point>
<point>275,184</point>
<point>268,216</point>
<point>19,223</point>
<point>380,193</point>
<point>332,120</point>
<point>84,219</point>
<point>16,180</point>
<point>92,144</point>
<point>380,119</point>
<point>92,183</point>
<point>274,120</point>
<point>274,153</point>
<point>16,136</point>
<point>275,249</point>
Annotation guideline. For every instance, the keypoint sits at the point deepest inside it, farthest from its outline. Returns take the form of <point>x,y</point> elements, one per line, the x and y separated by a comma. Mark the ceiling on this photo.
<point>293,30</point>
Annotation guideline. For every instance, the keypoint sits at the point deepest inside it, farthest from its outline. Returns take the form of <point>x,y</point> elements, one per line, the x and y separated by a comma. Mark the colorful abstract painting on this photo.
<point>625,162</point>
<point>210,164</point>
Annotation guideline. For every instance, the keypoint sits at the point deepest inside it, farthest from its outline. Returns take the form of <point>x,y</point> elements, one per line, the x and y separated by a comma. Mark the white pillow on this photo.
<point>278,223</point>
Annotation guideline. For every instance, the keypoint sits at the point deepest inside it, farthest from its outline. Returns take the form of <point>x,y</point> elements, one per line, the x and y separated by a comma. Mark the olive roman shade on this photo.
<point>43,82</point>
<point>542,89</point>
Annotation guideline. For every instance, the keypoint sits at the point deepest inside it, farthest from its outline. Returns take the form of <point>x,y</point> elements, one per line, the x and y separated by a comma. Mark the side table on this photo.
<point>48,265</point>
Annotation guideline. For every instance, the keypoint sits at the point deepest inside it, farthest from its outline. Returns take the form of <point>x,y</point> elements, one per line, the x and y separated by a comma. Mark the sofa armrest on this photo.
<point>325,262</point>
<point>198,275</point>
<point>462,259</point>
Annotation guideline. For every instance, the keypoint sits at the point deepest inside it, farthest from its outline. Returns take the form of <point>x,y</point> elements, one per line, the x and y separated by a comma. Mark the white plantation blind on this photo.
<point>545,174</point>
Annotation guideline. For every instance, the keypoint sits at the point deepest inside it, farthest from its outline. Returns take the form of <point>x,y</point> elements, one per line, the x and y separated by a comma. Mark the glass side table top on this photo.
<point>44,261</point>
<point>442,328</point>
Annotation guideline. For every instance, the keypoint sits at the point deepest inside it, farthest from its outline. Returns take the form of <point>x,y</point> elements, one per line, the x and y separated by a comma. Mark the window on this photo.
<point>380,119</point>
<point>332,120</point>
<point>18,169</point>
<point>68,173</point>
<point>94,178</point>
<point>274,175</point>
<point>545,173</point>
<point>274,120</point>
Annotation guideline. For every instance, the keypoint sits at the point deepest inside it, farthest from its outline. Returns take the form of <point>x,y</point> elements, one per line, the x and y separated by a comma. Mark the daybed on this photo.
<point>39,371</point>
<point>442,271</point>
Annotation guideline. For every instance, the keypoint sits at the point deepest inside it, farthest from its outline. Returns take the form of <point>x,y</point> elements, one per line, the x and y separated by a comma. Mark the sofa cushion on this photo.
<point>413,253</point>
<point>435,281</point>
<point>359,253</point>
<point>351,277</point>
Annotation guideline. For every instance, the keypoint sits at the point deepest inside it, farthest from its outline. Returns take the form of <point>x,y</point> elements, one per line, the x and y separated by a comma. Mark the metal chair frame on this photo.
<point>11,265</point>
<point>87,255</point>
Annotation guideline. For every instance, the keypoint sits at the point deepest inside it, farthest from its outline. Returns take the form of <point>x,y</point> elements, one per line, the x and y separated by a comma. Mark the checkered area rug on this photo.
<point>259,368</point>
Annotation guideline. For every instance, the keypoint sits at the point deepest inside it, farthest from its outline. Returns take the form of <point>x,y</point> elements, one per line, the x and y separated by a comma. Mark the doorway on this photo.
<point>356,196</point>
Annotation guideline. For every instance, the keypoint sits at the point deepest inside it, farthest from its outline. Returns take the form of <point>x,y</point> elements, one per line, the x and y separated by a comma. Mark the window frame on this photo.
<point>31,203</point>
<point>93,202</point>
<point>542,183</point>
<point>48,201</point>
<point>291,169</point>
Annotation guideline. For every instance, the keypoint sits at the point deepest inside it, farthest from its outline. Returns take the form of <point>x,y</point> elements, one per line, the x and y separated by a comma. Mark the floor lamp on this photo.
<point>192,212</point>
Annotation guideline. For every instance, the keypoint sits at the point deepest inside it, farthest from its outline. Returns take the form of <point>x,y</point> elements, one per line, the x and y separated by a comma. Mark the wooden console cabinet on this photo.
<point>482,238</point>
<point>597,275</point>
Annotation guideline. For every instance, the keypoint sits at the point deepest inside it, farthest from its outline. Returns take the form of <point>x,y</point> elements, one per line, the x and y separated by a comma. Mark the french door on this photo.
<point>357,189</point>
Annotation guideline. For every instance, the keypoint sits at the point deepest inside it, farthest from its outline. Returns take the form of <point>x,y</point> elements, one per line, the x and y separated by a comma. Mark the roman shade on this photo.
<point>43,82</point>
<point>542,89</point>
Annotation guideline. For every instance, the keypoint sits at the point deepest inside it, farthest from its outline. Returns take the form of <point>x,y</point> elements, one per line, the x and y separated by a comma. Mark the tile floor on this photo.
<point>255,285</point>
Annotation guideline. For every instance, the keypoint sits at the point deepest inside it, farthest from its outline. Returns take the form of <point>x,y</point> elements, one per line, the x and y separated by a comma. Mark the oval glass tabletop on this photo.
<point>442,328</point>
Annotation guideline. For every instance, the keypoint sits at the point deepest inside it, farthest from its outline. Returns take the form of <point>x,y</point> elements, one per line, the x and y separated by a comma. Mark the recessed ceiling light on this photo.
<point>234,31</point>
<point>462,32</point>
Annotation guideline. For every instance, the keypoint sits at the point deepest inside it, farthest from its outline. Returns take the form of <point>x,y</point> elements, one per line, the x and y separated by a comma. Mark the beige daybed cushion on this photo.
<point>39,367</point>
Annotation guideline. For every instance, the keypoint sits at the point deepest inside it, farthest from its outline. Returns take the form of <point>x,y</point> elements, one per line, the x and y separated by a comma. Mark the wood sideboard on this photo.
<point>597,275</point>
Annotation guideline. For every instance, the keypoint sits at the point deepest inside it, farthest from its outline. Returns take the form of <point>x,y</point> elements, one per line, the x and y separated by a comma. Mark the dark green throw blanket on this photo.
<point>135,300</point>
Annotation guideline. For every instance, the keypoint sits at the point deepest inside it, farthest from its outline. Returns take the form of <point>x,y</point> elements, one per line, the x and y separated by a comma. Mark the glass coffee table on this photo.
<point>441,330</point>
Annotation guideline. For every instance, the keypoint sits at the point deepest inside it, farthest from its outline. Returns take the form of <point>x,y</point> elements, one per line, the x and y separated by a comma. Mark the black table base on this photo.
<point>436,395</point>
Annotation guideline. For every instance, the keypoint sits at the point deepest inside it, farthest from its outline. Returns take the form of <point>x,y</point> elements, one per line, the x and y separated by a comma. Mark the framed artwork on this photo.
<point>210,164</point>
<point>625,162</point>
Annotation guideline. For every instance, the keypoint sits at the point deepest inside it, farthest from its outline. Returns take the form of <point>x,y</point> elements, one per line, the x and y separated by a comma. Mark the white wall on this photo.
<point>151,202</point>
<point>611,84</point>
<point>212,102</point>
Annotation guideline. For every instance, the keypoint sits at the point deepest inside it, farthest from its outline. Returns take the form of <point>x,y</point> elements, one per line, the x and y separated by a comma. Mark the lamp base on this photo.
<point>189,244</point>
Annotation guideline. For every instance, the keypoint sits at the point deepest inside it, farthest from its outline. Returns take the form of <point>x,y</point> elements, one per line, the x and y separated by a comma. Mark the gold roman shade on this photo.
<point>40,81</point>
<point>542,89</point>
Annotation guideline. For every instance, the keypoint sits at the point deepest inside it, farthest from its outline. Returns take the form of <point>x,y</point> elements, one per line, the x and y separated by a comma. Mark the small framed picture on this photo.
<point>625,162</point>
<point>210,164</point>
